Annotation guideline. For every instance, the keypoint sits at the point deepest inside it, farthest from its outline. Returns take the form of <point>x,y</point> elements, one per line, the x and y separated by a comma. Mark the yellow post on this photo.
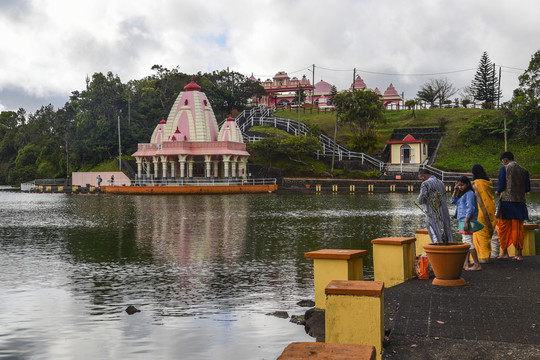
<point>334,188</point>
<point>422,237</point>
<point>370,187</point>
<point>334,264</point>
<point>529,247</point>
<point>352,188</point>
<point>318,187</point>
<point>393,259</point>
<point>320,350</point>
<point>355,313</point>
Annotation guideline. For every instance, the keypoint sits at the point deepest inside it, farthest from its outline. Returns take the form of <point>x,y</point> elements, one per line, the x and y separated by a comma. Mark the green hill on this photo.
<point>453,154</point>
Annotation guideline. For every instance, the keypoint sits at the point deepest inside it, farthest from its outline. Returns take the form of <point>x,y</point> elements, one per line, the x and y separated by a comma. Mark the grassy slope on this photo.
<point>452,156</point>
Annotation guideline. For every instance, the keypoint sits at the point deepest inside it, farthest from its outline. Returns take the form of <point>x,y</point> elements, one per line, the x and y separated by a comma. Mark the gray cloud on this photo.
<point>50,46</point>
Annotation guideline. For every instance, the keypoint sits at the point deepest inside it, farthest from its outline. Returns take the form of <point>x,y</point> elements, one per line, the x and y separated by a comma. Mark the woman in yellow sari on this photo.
<point>483,188</point>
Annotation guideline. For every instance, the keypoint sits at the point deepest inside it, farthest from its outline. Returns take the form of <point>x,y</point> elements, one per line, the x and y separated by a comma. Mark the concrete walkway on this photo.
<point>495,316</point>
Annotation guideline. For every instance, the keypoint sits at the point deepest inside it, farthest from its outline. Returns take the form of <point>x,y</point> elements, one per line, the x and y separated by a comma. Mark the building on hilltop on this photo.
<point>189,144</point>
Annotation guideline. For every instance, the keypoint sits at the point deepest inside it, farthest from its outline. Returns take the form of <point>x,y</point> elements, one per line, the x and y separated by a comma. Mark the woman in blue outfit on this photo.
<point>467,215</point>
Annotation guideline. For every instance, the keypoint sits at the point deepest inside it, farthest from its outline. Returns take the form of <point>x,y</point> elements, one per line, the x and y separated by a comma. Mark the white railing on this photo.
<point>206,182</point>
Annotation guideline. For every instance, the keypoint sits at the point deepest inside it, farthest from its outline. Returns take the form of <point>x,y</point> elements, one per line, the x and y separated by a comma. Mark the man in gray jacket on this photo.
<point>433,196</point>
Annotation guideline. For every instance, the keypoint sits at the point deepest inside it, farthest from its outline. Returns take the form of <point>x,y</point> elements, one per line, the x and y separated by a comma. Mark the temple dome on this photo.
<point>191,115</point>
<point>230,132</point>
<point>322,87</point>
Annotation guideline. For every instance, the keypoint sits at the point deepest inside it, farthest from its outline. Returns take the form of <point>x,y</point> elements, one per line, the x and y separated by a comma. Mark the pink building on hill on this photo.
<point>189,144</point>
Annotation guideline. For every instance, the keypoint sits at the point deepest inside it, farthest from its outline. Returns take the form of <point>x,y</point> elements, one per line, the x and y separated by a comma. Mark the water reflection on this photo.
<point>191,229</point>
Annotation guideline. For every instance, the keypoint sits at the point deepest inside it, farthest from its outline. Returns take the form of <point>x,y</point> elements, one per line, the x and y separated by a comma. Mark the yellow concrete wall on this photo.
<point>355,320</point>
<point>326,270</point>
<point>421,239</point>
<point>393,264</point>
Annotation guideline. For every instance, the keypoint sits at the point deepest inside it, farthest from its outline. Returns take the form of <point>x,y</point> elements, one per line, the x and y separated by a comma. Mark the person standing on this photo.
<point>483,189</point>
<point>112,179</point>
<point>514,183</point>
<point>467,215</point>
<point>99,180</point>
<point>433,196</point>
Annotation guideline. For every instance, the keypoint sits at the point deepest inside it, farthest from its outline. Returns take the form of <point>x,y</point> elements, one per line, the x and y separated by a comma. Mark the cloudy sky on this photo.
<point>48,47</point>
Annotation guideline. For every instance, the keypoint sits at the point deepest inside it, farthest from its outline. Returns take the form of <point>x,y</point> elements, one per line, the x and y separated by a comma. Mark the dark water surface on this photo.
<point>203,270</point>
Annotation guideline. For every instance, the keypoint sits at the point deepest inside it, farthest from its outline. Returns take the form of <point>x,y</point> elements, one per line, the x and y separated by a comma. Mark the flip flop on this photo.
<point>518,258</point>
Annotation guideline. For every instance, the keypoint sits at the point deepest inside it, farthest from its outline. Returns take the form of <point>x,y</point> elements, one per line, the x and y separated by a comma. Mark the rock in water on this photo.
<point>132,310</point>
<point>279,314</point>
<point>306,303</point>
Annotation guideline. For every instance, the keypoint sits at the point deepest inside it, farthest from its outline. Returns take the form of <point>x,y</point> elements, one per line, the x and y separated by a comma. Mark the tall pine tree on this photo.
<point>485,86</point>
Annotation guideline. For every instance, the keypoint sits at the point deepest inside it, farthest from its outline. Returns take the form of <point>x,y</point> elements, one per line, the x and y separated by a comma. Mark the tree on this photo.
<point>485,83</point>
<point>436,89</point>
<point>524,108</point>
<point>444,89</point>
<point>411,104</point>
<point>362,110</point>
<point>428,93</point>
<point>333,93</point>
<point>299,96</point>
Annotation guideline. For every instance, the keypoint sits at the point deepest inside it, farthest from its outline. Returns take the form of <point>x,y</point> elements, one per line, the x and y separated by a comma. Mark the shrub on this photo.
<point>480,128</point>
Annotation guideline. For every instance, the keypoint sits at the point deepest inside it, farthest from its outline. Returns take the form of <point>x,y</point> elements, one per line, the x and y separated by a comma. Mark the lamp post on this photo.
<point>334,149</point>
<point>119,144</point>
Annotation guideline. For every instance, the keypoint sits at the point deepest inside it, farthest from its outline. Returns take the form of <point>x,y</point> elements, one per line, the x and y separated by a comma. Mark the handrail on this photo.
<point>260,118</point>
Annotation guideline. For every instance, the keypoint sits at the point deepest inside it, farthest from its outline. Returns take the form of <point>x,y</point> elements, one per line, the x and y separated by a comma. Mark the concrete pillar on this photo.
<point>207,165</point>
<point>529,247</point>
<point>173,169</point>
<point>164,163</point>
<point>155,161</point>
<point>355,313</point>
<point>139,167</point>
<point>334,264</point>
<point>226,160</point>
<point>190,168</point>
<point>148,169</point>
<point>393,259</point>
<point>215,165</point>
<point>182,162</point>
<point>422,237</point>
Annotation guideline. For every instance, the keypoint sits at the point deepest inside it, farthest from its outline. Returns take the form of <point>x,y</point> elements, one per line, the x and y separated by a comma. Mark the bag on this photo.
<point>474,225</point>
<point>423,272</point>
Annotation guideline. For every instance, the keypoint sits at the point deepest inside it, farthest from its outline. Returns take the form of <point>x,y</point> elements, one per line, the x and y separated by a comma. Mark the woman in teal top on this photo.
<point>467,215</point>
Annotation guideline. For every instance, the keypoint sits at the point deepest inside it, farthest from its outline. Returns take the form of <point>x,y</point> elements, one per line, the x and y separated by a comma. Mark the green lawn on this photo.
<point>452,156</point>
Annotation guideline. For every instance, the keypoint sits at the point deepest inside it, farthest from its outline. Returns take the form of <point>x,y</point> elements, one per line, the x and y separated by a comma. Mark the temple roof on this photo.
<point>391,93</point>
<point>358,83</point>
<point>230,132</point>
<point>191,115</point>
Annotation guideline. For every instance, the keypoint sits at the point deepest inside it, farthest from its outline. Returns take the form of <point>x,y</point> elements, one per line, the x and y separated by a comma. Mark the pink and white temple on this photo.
<point>189,144</point>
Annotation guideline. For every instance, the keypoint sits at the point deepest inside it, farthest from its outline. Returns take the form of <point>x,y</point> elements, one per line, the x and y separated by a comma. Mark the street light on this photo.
<point>334,149</point>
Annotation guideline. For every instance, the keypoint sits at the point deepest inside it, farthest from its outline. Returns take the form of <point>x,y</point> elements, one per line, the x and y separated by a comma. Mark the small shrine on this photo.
<point>408,151</point>
<point>189,144</point>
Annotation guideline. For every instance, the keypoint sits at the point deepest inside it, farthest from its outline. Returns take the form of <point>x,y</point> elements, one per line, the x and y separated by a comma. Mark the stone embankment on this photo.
<point>329,185</point>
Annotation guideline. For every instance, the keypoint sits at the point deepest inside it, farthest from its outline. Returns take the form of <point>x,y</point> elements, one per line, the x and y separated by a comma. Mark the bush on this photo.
<point>480,128</point>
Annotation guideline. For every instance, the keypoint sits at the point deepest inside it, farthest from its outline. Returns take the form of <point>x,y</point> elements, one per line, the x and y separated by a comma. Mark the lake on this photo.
<point>203,270</point>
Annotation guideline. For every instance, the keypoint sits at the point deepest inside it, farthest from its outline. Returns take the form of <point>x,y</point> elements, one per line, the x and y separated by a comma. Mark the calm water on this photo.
<point>203,270</point>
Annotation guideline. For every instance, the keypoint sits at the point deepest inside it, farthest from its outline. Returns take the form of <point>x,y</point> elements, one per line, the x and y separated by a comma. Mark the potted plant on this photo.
<point>446,258</point>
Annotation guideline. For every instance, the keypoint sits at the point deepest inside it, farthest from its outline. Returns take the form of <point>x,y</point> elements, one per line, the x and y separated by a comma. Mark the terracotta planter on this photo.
<point>447,262</point>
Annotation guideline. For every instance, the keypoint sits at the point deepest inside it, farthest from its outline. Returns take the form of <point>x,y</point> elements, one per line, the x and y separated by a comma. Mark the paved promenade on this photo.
<point>495,316</point>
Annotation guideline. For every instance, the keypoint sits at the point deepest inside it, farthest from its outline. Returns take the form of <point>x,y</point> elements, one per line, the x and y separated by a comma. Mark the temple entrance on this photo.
<point>405,154</point>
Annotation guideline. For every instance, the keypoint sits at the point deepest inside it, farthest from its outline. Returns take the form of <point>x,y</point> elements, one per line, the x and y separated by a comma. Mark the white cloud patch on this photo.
<point>50,46</point>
